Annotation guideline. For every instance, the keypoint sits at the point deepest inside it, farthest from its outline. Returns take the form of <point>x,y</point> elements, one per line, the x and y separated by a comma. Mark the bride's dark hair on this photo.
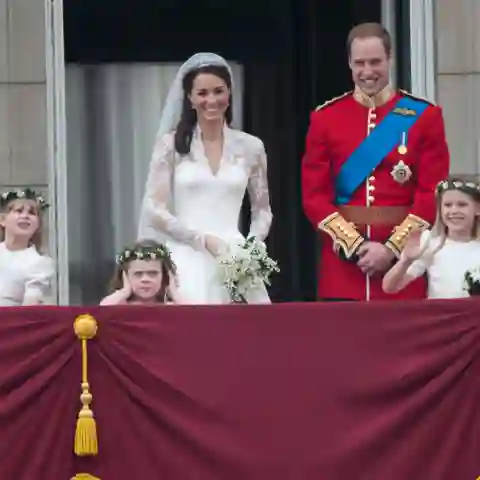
<point>188,118</point>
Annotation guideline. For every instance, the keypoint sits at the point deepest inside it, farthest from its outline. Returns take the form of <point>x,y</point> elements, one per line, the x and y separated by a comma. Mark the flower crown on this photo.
<point>469,187</point>
<point>160,252</point>
<point>27,193</point>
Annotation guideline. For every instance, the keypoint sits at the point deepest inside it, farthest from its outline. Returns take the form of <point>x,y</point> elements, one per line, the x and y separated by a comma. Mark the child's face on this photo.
<point>458,212</point>
<point>21,219</point>
<point>145,278</point>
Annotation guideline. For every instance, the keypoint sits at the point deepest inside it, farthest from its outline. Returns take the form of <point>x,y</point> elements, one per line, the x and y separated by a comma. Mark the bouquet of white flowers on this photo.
<point>246,267</point>
<point>472,281</point>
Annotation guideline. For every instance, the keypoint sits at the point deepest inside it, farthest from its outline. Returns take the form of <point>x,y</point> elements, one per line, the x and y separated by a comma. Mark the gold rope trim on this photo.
<point>409,94</point>
<point>332,100</point>
<point>84,476</point>
<point>86,443</point>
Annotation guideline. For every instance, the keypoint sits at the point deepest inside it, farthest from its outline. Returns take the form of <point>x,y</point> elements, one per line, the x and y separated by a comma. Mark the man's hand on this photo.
<point>374,258</point>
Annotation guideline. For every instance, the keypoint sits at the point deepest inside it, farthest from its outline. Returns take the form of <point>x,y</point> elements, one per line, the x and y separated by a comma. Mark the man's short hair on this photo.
<point>371,29</point>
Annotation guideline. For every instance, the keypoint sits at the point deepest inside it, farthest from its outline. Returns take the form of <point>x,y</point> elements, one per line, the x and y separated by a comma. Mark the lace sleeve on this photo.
<point>259,195</point>
<point>158,196</point>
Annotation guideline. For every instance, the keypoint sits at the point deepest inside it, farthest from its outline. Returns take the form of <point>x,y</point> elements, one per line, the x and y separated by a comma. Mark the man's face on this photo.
<point>370,64</point>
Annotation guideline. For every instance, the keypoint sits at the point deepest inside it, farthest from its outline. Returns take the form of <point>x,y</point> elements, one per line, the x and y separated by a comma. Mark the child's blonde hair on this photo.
<point>439,229</point>
<point>9,199</point>
<point>145,250</point>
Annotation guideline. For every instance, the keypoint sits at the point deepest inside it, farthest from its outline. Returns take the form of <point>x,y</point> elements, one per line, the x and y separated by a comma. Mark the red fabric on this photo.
<point>282,392</point>
<point>334,134</point>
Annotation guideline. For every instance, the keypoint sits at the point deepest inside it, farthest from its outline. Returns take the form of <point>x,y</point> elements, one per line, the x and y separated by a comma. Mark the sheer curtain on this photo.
<point>112,118</point>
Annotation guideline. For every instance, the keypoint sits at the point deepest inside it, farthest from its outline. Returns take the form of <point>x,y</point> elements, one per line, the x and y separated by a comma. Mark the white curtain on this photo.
<point>113,113</point>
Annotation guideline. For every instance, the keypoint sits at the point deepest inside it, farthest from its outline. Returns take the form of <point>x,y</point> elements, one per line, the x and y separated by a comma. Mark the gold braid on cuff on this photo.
<point>397,240</point>
<point>344,234</point>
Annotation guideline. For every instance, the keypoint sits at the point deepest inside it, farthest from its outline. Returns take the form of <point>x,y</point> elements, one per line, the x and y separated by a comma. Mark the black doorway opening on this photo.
<point>293,54</point>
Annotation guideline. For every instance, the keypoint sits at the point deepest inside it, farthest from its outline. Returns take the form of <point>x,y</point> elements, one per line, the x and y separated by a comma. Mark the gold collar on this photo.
<point>377,100</point>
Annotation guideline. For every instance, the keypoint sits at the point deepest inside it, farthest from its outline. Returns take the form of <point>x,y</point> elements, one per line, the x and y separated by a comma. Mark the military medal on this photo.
<point>401,172</point>
<point>402,148</point>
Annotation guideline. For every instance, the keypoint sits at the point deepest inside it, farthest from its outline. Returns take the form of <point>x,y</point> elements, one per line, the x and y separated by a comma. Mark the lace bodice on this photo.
<point>185,200</point>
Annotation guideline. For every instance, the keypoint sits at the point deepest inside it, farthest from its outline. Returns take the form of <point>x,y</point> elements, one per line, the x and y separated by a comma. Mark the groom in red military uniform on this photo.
<point>373,158</point>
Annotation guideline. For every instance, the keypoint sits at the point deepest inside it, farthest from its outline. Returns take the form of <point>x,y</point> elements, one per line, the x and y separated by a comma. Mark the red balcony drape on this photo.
<point>283,392</point>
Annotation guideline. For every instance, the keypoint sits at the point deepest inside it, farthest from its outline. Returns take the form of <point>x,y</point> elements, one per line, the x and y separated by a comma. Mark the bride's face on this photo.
<point>210,97</point>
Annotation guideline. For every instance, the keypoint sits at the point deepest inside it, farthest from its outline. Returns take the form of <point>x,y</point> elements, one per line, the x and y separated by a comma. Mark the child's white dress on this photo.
<point>446,269</point>
<point>25,276</point>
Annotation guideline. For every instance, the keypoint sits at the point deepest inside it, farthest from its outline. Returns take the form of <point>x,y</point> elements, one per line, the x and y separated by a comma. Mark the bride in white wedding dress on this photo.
<point>199,173</point>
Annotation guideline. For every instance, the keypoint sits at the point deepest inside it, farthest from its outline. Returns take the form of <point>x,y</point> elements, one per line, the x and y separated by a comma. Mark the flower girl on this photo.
<point>449,251</point>
<point>145,275</point>
<point>25,274</point>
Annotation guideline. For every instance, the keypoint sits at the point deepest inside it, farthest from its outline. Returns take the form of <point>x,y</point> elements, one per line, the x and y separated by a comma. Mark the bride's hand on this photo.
<point>215,245</point>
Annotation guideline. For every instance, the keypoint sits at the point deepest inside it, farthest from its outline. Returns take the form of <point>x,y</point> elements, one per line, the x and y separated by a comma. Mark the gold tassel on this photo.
<point>86,443</point>
<point>84,476</point>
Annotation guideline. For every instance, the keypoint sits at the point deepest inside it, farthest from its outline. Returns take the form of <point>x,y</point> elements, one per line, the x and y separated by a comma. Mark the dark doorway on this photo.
<point>294,58</point>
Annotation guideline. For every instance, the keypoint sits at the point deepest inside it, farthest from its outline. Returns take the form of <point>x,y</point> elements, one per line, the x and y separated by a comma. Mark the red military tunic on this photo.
<point>336,130</point>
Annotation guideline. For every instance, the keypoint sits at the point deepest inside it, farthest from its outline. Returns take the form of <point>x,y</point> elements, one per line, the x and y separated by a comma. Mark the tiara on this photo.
<point>26,194</point>
<point>160,252</point>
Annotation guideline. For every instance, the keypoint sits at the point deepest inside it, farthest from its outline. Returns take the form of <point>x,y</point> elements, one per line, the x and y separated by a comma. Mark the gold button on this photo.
<point>371,198</point>
<point>371,188</point>
<point>371,126</point>
<point>371,179</point>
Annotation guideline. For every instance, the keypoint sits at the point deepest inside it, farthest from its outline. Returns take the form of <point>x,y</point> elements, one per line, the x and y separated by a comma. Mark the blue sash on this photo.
<point>376,146</point>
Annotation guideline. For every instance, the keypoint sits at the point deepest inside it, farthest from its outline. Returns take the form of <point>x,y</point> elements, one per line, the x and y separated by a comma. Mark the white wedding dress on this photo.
<point>185,200</point>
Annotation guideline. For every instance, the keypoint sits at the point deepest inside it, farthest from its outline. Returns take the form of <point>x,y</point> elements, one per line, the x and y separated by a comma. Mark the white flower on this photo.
<point>245,267</point>
<point>472,280</point>
<point>240,254</point>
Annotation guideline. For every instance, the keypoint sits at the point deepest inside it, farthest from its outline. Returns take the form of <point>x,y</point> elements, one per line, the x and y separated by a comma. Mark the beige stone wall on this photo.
<point>23,117</point>
<point>458,79</point>
<point>23,136</point>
